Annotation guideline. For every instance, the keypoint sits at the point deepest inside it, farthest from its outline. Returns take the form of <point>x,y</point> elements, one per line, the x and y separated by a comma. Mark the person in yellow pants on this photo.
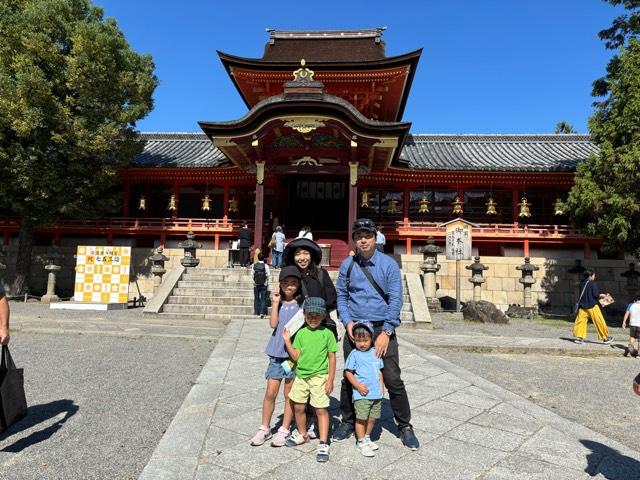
<point>589,309</point>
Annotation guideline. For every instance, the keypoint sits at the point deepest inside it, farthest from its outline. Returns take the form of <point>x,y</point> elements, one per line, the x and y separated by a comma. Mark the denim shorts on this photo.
<point>276,372</point>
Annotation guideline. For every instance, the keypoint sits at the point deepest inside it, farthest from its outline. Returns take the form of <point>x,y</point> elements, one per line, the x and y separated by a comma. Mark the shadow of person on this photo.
<point>610,463</point>
<point>62,410</point>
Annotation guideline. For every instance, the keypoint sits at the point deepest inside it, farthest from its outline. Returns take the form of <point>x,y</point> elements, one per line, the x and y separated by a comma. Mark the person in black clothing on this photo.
<point>316,282</point>
<point>245,235</point>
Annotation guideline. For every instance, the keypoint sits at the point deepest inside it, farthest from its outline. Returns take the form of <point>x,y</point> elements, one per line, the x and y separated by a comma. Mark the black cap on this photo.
<point>312,247</point>
<point>289,271</point>
<point>364,225</point>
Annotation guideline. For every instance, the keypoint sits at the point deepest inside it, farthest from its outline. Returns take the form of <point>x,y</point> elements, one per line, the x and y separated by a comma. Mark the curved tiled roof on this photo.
<point>524,153</point>
<point>179,150</point>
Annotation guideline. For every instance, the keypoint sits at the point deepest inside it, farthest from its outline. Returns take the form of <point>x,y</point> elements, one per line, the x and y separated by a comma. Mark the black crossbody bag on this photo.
<point>367,274</point>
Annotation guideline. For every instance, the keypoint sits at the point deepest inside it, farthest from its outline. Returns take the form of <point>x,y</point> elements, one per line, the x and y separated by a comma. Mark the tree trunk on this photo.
<point>23,262</point>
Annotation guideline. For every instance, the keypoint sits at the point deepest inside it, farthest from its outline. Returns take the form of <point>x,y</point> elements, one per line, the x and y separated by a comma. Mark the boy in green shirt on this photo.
<point>314,350</point>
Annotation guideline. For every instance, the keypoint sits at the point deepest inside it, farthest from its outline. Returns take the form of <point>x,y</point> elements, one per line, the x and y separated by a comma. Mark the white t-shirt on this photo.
<point>305,234</point>
<point>634,314</point>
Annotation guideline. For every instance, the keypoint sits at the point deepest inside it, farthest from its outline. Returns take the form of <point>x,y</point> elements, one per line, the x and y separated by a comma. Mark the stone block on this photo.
<point>487,437</point>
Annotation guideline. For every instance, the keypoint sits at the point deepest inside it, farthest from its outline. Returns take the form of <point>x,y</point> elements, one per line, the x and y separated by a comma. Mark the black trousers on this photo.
<point>392,381</point>
<point>244,256</point>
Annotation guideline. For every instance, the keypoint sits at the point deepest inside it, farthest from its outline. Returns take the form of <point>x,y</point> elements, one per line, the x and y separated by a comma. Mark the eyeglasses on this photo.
<point>363,223</point>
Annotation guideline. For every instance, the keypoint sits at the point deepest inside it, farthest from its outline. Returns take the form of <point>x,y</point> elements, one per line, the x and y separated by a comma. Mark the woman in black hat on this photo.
<point>316,282</point>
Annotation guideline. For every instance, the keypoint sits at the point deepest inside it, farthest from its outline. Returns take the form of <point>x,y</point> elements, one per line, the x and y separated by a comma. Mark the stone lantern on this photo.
<point>429,268</point>
<point>157,267</point>
<point>190,246</point>
<point>51,267</point>
<point>477,277</point>
<point>527,280</point>
<point>632,281</point>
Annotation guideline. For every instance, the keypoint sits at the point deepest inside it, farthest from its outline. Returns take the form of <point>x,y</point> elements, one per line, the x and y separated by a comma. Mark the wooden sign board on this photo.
<point>458,240</point>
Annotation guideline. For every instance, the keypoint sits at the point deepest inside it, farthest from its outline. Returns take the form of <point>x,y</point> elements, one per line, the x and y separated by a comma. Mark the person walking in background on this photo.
<point>4,317</point>
<point>370,290</point>
<point>633,316</point>
<point>589,309</point>
<point>305,233</point>
<point>380,240</point>
<point>245,235</point>
<point>277,250</point>
<point>260,274</point>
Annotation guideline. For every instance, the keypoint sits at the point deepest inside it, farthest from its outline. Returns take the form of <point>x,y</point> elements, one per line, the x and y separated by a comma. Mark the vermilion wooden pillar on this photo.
<point>127,194</point>
<point>525,248</point>
<point>515,193</point>
<point>225,204</point>
<point>353,209</point>
<point>587,250</point>
<point>406,197</point>
<point>257,232</point>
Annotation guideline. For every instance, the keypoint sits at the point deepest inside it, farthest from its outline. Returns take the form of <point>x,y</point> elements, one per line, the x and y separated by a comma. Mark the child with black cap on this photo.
<point>363,370</point>
<point>314,350</point>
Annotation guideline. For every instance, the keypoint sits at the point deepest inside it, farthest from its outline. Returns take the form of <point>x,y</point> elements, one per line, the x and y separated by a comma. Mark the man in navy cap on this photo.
<point>369,289</point>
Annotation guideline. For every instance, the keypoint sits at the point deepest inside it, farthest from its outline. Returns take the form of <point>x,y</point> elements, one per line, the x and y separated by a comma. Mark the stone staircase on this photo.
<point>227,293</point>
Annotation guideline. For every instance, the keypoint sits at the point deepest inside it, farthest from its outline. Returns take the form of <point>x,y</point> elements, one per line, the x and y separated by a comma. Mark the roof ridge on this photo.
<point>320,34</point>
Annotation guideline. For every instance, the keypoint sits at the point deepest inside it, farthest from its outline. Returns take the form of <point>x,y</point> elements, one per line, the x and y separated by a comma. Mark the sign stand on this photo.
<point>458,247</point>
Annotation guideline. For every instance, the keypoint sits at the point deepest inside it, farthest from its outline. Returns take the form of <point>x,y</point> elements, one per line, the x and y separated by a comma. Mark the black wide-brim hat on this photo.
<point>309,245</point>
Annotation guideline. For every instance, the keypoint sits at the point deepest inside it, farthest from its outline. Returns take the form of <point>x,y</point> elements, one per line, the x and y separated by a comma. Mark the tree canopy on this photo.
<point>605,199</point>
<point>564,127</point>
<point>71,91</point>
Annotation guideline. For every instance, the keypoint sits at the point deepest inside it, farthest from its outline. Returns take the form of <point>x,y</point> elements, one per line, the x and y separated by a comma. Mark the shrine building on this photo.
<point>324,141</point>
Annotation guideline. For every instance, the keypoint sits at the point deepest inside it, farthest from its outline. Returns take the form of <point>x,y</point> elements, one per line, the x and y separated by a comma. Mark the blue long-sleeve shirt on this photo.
<point>362,301</point>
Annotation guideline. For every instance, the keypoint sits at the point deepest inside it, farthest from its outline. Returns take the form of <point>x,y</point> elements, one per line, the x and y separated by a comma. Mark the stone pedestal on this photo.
<point>528,309</point>
<point>50,296</point>
<point>429,269</point>
<point>477,277</point>
<point>157,268</point>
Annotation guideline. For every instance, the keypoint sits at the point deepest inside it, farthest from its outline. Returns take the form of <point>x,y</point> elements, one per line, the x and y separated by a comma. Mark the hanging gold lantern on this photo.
<point>524,208</point>
<point>392,207</point>
<point>491,206</point>
<point>364,202</point>
<point>172,203</point>
<point>206,203</point>
<point>424,205</point>
<point>142,203</point>
<point>457,206</point>
<point>233,205</point>
<point>558,207</point>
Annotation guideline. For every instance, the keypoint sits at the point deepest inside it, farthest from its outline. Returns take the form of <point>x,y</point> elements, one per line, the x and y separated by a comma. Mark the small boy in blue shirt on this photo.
<point>363,369</point>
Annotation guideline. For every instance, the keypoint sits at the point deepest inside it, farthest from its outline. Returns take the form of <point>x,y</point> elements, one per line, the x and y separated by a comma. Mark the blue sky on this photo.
<point>488,66</point>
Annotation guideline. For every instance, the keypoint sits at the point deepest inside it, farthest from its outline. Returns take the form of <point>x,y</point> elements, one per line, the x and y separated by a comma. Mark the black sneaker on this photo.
<point>344,431</point>
<point>409,438</point>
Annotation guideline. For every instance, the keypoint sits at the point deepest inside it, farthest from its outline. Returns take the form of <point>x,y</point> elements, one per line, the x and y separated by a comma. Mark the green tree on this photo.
<point>71,91</point>
<point>605,199</point>
<point>564,127</point>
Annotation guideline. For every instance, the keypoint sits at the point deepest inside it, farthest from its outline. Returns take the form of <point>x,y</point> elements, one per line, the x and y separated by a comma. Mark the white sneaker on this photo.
<point>311,431</point>
<point>374,446</point>
<point>365,449</point>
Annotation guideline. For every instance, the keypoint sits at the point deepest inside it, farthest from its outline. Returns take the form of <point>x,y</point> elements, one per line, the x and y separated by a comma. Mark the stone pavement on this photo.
<point>469,428</point>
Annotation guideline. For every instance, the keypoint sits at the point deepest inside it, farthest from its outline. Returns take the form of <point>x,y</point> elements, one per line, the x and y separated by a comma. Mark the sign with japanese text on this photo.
<point>458,240</point>
<point>102,274</point>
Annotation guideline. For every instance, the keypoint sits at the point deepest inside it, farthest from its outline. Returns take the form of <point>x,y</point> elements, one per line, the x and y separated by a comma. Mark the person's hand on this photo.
<point>349,328</point>
<point>382,343</point>
<point>328,387</point>
<point>286,335</point>
<point>362,389</point>
<point>624,324</point>
<point>275,297</point>
<point>4,337</point>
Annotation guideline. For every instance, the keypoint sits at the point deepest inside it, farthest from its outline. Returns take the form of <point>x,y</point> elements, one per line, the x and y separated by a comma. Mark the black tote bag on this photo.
<point>13,404</point>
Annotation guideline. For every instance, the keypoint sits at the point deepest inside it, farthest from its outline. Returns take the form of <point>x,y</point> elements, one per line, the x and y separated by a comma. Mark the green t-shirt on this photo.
<point>314,346</point>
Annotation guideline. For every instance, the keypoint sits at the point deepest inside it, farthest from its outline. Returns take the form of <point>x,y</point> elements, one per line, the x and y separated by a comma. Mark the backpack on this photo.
<point>259,274</point>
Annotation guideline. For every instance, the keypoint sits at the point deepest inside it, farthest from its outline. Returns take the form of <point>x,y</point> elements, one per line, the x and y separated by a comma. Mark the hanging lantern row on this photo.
<point>206,204</point>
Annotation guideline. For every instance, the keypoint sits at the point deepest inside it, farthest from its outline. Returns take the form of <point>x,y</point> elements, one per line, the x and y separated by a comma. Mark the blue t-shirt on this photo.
<point>275,347</point>
<point>366,368</point>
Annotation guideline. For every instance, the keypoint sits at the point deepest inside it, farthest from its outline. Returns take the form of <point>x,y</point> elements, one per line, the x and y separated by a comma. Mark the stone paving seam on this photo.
<point>163,465</point>
<point>552,419</point>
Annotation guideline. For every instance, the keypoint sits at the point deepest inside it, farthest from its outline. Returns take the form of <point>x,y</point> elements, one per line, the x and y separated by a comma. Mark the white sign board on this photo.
<point>458,240</point>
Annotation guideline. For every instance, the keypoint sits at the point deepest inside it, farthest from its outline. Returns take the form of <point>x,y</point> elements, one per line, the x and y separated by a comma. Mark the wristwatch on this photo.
<point>388,333</point>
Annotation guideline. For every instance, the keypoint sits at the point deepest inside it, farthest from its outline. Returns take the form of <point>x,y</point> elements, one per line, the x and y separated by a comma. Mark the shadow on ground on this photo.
<point>36,414</point>
<point>610,463</point>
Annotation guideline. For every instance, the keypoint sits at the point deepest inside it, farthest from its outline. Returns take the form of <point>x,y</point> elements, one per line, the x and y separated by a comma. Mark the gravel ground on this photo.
<point>595,392</point>
<point>98,405</point>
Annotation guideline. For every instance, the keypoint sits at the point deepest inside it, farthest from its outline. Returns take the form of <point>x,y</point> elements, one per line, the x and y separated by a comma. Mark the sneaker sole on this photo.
<point>259,444</point>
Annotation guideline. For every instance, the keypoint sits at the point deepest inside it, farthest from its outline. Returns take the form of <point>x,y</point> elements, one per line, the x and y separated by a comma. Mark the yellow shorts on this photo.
<point>312,389</point>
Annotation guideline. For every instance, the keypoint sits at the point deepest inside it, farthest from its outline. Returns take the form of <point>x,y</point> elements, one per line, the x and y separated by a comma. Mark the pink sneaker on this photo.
<point>263,434</point>
<point>280,438</point>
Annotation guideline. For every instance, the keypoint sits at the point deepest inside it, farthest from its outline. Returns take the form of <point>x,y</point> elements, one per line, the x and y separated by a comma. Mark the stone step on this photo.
<point>208,300</point>
<point>203,308</point>
<point>205,316</point>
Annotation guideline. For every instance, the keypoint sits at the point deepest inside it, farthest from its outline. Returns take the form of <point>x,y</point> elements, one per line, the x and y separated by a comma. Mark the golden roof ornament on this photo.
<point>559,207</point>
<point>392,207</point>
<point>142,203</point>
<point>457,206</point>
<point>424,205</point>
<point>524,208</point>
<point>491,206</point>
<point>206,203</point>
<point>233,205</point>
<point>172,203</point>
<point>303,74</point>
<point>364,201</point>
